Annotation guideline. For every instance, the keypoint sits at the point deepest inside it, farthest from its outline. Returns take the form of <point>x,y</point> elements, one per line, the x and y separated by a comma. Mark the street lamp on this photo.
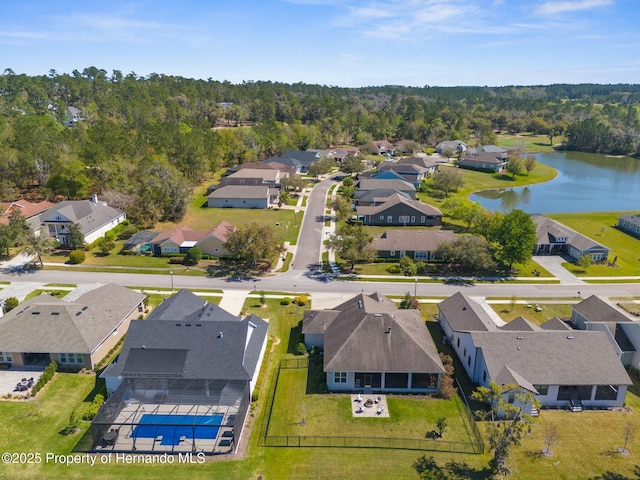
<point>415,290</point>
<point>171,274</point>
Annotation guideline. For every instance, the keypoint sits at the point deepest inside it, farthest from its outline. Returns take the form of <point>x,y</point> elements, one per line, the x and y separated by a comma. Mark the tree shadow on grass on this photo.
<point>295,337</point>
<point>428,468</point>
<point>609,475</point>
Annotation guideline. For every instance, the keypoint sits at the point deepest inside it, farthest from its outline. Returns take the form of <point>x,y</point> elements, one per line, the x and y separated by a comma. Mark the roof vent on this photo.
<point>377,314</point>
<point>198,324</point>
<point>519,337</point>
<point>464,308</point>
<point>388,330</point>
<point>187,324</point>
<point>55,313</point>
<point>178,324</point>
<point>570,337</point>
<point>220,335</point>
<point>35,313</point>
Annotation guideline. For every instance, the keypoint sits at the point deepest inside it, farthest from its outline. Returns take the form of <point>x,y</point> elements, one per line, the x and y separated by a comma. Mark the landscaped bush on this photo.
<point>393,269</point>
<point>176,260</point>
<point>301,348</point>
<point>47,375</point>
<point>92,411</point>
<point>76,257</point>
<point>285,301</point>
<point>301,300</point>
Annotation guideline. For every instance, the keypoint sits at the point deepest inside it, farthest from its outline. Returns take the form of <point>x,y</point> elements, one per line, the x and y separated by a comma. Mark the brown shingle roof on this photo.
<point>396,200</point>
<point>413,240</point>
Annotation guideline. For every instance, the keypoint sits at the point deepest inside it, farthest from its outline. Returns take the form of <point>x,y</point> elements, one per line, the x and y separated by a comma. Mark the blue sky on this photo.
<point>333,42</point>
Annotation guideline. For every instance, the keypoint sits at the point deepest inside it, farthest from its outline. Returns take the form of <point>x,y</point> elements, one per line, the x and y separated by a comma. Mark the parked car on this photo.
<point>575,405</point>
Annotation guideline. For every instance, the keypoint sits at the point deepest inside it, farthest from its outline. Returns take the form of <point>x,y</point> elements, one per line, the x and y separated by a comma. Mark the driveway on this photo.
<point>553,263</point>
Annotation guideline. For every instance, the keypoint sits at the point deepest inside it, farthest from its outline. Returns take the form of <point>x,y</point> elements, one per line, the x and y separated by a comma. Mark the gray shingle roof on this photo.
<point>519,324</point>
<point>48,324</point>
<point>413,240</point>
<point>552,357</point>
<point>371,195</point>
<point>555,323</point>
<point>381,183</point>
<point>370,334</point>
<point>465,315</point>
<point>394,200</point>
<point>241,191</point>
<point>218,345</point>
<point>302,156</point>
<point>91,216</point>
<point>595,309</point>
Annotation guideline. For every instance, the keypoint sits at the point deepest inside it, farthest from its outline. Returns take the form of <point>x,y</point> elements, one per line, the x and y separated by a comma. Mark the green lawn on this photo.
<point>533,143</point>
<point>331,414</point>
<point>599,226</point>
<point>474,181</point>
<point>53,293</point>
<point>550,310</point>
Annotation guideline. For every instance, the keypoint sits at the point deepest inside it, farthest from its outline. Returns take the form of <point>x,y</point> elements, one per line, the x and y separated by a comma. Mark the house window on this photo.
<point>413,219</point>
<point>392,253</point>
<point>484,376</point>
<point>542,389</point>
<point>381,217</point>
<point>465,352</point>
<point>469,361</point>
<point>458,341</point>
<point>339,377</point>
<point>71,358</point>
<point>389,218</point>
<point>403,218</point>
<point>423,219</point>
<point>424,380</point>
<point>606,392</point>
<point>6,357</point>
<point>420,255</point>
<point>396,380</point>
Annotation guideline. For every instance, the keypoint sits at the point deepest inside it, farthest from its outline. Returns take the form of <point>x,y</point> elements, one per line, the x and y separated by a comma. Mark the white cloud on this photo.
<point>555,7</point>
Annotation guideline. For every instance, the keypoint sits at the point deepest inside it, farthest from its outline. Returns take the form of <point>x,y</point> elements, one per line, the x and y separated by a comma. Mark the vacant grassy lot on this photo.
<point>533,143</point>
<point>600,226</point>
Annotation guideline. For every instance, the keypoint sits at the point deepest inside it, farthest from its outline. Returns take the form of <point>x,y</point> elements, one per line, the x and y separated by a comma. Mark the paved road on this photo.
<point>309,246</point>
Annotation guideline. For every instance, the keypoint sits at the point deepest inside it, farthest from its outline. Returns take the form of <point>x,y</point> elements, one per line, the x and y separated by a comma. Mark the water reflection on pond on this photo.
<point>585,183</point>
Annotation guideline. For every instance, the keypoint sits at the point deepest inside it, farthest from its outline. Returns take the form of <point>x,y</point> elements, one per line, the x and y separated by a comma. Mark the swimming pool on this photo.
<point>172,427</point>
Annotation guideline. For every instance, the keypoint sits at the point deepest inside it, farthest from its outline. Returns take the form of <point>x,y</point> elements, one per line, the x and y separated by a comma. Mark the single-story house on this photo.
<point>300,160</point>
<point>75,333</point>
<point>622,330</point>
<point>380,147</point>
<point>240,196</point>
<point>409,172</point>
<point>630,224</point>
<point>210,242</point>
<point>269,176</point>
<point>183,380</point>
<point>490,149</point>
<point>424,161</point>
<point>453,146</point>
<point>484,161</point>
<point>368,343</point>
<point>337,154</point>
<point>364,184</point>
<point>400,211</point>
<point>94,218</point>
<point>554,238</point>
<point>416,244</point>
<point>270,165</point>
<point>375,197</point>
<point>555,364</point>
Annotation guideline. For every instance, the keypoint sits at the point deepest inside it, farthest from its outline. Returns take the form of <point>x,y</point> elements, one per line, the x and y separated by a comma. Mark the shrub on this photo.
<point>255,395</point>
<point>9,304</point>
<point>447,386</point>
<point>285,301</point>
<point>301,300</point>
<point>47,375</point>
<point>193,256</point>
<point>110,235</point>
<point>301,348</point>
<point>76,257</point>
<point>176,260</point>
<point>92,411</point>
<point>393,269</point>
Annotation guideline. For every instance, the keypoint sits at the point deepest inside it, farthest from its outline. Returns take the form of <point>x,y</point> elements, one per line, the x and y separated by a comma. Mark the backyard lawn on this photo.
<point>550,310</point>
<point>600,226</point>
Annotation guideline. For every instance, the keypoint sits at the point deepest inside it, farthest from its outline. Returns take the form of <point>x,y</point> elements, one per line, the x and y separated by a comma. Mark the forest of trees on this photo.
<point>143,142</point>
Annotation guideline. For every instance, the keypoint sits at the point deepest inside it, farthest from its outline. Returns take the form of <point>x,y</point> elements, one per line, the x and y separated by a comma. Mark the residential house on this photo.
<point>364,184</point>
<point>622,330</point>
<point>424,161</point>
<point>375,197</point>
<point>337,154</point>
<point>269,177</point>
<point>241,196</point>
<point>210,242</point>
<point>300,160</point>
<point>486,161</point>
<point>630,224</point>
<point>27,209</point>
<point>490,149</point>
<point>455,147</point>
<point>410,172</point>
<point>555,238</point>
<point>368,343</point>
<point>190,365</point>
<point>73,116</point>
<point>268,166</point>
<point>380,147</point>
<point>416,244</point>
<point>94,218</point>
<point>400,211</point>
<point>554,364</point>
<point>76,333</point>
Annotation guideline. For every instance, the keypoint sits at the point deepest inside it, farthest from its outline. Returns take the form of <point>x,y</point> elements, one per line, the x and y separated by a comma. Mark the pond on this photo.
<point>586,182</point>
